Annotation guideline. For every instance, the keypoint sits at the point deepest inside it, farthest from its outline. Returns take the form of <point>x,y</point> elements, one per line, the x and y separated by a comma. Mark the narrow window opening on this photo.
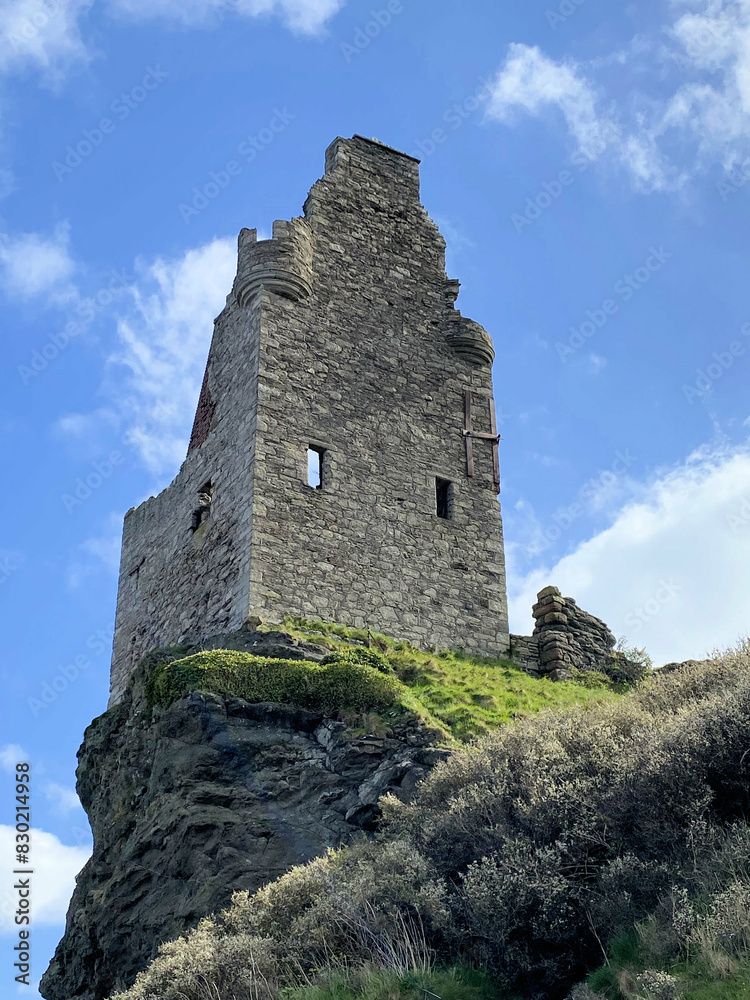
<point>444,498</point>
<point>203,511</point>
<point>315,467</point>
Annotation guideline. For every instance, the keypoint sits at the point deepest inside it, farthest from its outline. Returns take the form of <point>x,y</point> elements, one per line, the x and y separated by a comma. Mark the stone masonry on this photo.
<point>565,638</point>
<point>339,339</point>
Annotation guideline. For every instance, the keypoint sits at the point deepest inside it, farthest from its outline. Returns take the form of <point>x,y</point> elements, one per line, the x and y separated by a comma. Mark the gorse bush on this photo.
<point>340,684</point>
<point>530,852</point>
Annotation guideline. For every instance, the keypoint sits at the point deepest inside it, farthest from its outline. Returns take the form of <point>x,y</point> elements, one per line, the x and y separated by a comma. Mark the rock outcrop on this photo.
<point>209,796</point>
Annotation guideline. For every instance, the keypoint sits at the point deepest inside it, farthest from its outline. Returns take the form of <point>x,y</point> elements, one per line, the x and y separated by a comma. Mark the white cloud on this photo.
<point>55,868</point>
<point>10,755</point>
<point>531,81</point>
<point>715,110</point>
<point>662,138</point>
<point>672,571</point>
<point>164,343</point>
<point>44,36</point>
<point>534,83</point>
<point>153,375</point>
<point>63,799</point>
<point>34,266</point>
<point>303,16</point>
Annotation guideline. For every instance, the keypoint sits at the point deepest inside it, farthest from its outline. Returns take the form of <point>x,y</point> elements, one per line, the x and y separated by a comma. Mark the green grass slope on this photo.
<point>372,681</point>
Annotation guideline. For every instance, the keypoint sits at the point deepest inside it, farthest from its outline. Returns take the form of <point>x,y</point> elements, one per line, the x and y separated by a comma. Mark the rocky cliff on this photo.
<point>190,803</point>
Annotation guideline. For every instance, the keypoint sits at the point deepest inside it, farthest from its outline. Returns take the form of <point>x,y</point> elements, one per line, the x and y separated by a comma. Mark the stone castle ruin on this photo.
<point>343,463</point>
<point>339,349</point>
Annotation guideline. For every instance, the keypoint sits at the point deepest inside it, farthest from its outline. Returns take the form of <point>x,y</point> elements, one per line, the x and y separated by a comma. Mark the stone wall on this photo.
<point>340,333</point>
<point>365,368</point>
<point>565,638</point>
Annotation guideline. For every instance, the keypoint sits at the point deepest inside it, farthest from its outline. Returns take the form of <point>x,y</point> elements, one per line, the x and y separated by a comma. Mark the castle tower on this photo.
<point>343,463</point>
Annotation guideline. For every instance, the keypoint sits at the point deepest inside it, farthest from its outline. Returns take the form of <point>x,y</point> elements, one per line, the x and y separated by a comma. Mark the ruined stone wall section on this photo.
<point>569,637</point>
<point>565,638</point>
<point>524,651</point>
<point>177,583</point>
<point>364,368</point>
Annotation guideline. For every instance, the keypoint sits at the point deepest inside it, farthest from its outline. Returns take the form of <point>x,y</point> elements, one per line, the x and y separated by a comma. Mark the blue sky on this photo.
<point>588,165</point>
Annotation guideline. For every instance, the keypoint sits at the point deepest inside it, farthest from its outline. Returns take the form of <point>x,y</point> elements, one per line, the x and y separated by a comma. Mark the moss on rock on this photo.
<point>342,684</point>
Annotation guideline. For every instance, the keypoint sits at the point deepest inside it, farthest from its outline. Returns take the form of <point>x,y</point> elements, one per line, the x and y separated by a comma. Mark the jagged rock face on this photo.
<point>207,797</point>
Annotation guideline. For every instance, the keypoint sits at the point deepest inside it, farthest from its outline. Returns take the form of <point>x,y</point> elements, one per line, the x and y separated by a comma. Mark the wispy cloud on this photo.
<point>10,755</point>
<point>163,344</point>
<point>595,363</point>
<point>33,266</point>
<point>42,36</point>
<point>663,137</point>
<point>534,83</point>
<point>302,16</point>
<point>153,374</point>
<point>63,800</point>
<point>99,552</point>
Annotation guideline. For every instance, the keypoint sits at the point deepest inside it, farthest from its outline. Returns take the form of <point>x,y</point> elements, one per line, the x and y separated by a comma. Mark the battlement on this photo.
<point>282,264</point>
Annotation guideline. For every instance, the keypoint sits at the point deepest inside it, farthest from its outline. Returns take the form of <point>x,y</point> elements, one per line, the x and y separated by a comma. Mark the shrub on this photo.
<point>363,656</point>
<point>582,991</point>
<point>320,909</point>
<point>341,684</point>
<point>656,985</point>
<point>635,654</point>
<point>592,679</point>
<point>531,851</point>
<point>623,670</point>
<point>205,965</point>
<point>724,928</point>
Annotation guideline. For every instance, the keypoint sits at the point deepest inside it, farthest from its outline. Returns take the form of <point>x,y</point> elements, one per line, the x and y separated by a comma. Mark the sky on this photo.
<point>587,162</point>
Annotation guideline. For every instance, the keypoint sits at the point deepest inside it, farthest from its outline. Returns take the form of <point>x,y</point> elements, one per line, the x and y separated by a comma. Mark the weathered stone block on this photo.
<point>551,636</point>
<point>551,655</point>
<point>555,618</point>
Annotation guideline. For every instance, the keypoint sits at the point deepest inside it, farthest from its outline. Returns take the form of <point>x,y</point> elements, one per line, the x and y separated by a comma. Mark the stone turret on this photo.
<point>282,265</point>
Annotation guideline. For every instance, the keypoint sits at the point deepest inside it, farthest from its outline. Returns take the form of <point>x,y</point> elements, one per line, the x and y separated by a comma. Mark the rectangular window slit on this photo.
<point>201,513</point>
<point>315,467</point>
<point>444,498</point>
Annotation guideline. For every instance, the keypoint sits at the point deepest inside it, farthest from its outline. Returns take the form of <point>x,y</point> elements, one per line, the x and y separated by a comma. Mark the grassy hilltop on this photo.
<point>590,843</point>
<point>370,680</point>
